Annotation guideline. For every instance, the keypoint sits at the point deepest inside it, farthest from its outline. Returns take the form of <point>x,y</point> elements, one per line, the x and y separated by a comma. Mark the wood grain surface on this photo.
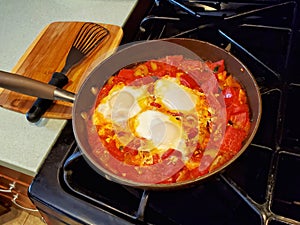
<point>47,54</point>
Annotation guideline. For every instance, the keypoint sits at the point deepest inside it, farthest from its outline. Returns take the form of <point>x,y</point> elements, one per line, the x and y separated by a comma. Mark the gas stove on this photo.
<point>260,187</point>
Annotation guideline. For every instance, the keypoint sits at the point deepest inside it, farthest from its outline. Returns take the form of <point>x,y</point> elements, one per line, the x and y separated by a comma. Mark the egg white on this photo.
<point>122,103</point>
<point>175,96</point>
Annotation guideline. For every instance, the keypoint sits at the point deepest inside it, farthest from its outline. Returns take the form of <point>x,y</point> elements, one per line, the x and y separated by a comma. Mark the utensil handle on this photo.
<point>40,106</point>
<point>25,85</point>
<point>28,86</point>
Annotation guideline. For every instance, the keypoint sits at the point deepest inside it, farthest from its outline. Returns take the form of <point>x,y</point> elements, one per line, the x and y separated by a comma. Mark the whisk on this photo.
<point>88,38</point>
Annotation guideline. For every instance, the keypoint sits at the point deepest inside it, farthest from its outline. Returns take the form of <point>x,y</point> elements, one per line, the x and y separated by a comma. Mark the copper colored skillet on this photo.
<point>84,100</point>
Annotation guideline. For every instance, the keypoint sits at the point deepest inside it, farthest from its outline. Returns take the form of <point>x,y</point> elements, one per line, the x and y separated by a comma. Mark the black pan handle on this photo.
<point>40,106</point>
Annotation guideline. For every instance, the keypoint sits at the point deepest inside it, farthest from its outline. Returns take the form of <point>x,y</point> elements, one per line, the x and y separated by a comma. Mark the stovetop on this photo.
<point>260,187</point>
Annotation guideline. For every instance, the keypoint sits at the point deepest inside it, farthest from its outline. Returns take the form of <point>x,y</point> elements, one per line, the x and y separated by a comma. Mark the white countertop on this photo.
<point>23,145</point>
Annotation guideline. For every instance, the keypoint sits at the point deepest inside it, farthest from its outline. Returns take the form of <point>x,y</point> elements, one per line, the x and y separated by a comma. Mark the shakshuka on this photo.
<point>169,120</point>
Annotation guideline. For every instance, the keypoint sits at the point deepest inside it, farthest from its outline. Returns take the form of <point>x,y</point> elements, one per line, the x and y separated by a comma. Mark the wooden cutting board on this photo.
<point>47,54</point>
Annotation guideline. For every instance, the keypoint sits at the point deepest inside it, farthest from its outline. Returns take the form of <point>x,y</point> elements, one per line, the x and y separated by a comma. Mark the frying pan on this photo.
<point>84,100</point>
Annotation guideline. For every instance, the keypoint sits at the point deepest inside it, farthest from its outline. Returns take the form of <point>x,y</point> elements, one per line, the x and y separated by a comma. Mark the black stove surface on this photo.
<point>260,187</point>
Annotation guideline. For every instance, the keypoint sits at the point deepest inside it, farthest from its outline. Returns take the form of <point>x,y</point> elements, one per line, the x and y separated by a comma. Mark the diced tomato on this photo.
<point>130,156</point>
<point>156,158</point>
<point>236,109</point>
<point>114,151</point>
<point>217,67</point>
<point>231,96</point>
<point>131,151</point>
<point>232,141</point>
<point>240,120</point>
<point>125,75</point>
<point>188,81</point>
